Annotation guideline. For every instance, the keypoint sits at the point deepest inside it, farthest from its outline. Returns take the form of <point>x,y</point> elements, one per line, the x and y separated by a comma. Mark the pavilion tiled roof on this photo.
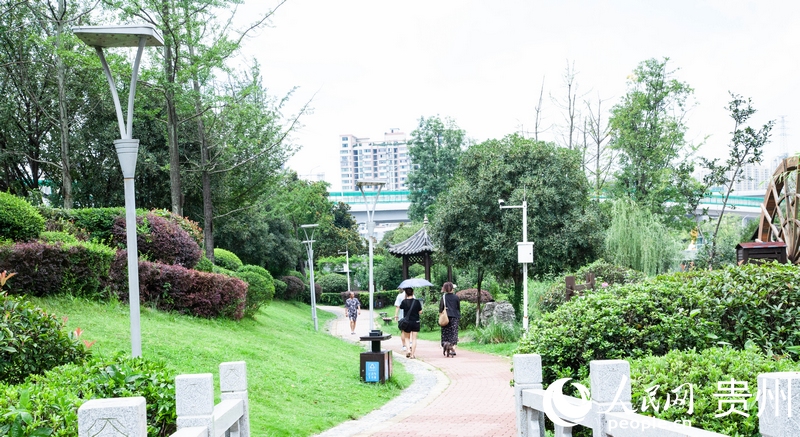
<point>420,242</point>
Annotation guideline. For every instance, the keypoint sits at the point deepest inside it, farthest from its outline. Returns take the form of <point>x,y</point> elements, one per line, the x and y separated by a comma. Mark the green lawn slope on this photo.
<point>301,382</point>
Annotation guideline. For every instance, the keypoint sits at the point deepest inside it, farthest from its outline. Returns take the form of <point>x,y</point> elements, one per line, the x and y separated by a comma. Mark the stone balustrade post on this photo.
<point>113,417</point>
<point>528,375</point>
<point>194,401</point>
<point>610,386</point>
<point>779,404</point>
<point>233,385</point>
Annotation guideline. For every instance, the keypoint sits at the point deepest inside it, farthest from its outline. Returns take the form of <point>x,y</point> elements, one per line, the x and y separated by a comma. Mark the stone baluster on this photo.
<point>113,417</point>
<point>233,385</point>
<point>779,404</point>
<point>194,401</point>
<point>528,375</point>
<point>610,382</point>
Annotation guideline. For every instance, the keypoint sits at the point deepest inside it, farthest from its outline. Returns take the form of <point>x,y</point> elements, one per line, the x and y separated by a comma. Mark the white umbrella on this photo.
<point>413,283</point>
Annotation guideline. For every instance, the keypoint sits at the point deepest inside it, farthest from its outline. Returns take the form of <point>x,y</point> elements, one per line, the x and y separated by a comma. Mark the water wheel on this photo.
<point>779,212</point>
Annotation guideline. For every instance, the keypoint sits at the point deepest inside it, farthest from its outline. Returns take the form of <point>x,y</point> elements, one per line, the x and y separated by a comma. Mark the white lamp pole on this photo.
<point>347,267</point>
<point>310,250</point>
<point>127,147</point>
<point>370,235</point>
<point>524,256</point>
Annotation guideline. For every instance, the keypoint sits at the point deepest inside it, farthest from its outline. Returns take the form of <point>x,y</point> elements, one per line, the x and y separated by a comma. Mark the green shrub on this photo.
<point>57,237</point>
<point>160,240</point>
<point>736,304</point>
<point>257,269</point>
<point>191,227</point>
<point>52,399</point>
<point>260,291</point>
<point>604,272</point>
<point>280,289</point>
<point>332,283</point>
<point>628,321</point>
<point>204,265</point>
<point>227,259</point>
<point>19,221</point>
<point>429,317</point>
<point>494,333</point>
<point>703,370</point>
<point>96,221</point>
<point>32,341</point>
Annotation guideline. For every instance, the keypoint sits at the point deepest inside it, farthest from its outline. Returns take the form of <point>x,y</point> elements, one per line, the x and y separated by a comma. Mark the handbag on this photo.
<point>443,319</point>
<point>402,324</point>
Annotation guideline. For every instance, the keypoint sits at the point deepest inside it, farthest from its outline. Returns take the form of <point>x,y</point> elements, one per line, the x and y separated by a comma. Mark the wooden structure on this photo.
<point>417,249</point>
<point>573,289</point>
<point>747,253</point>
<point>779,220</point>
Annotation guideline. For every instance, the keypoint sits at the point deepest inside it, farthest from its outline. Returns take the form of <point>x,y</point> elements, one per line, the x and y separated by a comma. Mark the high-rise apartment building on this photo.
<point>360,158</point>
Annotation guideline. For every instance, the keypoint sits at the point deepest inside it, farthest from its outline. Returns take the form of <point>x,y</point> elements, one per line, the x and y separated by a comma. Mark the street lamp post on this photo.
<point>127,147</point>
<point>370,235</point>
<point>524,256</point>
<point>310,250</point>
<point>347,268</point>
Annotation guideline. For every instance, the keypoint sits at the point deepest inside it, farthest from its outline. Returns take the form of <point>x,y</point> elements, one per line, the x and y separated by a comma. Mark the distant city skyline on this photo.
<point>367,66</point>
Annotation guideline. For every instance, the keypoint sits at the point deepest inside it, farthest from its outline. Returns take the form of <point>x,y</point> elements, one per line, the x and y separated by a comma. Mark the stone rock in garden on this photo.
<point>504,313</point>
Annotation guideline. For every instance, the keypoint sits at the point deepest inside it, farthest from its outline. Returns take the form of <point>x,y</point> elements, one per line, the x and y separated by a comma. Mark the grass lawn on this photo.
<point>301,382</point>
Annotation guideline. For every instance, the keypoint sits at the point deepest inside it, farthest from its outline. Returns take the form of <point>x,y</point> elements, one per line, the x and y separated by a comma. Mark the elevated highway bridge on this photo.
<point>392,206</point>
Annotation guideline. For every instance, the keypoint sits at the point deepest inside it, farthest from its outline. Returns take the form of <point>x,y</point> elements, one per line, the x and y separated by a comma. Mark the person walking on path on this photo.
<point>452,304</point>
<point>352,309</point>
<point>411,308</point>
<point>398,314</point>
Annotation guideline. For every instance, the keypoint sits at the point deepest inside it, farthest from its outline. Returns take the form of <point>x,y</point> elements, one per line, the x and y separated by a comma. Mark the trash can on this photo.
<point>376,364</point>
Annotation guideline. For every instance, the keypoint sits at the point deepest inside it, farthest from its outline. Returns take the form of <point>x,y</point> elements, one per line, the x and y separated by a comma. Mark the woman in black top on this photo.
<point>411,308</point>
<point>453,305</point>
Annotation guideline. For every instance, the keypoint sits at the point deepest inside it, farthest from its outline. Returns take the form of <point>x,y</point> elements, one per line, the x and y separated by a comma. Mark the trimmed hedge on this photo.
<point>53,399</point>
<point>332,283</point>
<point>227,259</point>
<point>294,287</point>
<point>703,370</point>
<point>191,227</point>
<point>160,240</point>
<point>280,289</point>
<point>175,288</point>
<point>77,269</point>
<point>260,291</point>
<point>52,237</point>
<point>19,221</point>
<point>32,341</point>
<point>681,311</point>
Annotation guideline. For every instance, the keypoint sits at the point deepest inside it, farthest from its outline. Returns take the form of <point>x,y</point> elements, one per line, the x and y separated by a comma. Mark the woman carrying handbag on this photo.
<point>450,305</point>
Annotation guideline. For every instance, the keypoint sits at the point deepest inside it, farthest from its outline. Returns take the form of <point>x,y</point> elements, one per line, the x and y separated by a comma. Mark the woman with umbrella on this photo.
<point>411,308</point>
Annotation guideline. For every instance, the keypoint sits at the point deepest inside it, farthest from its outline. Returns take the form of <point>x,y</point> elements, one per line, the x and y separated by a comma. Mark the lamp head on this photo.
<point>370,182</point>
<point>118,36</point>
<point>309,226</point>
<point>501,202</point>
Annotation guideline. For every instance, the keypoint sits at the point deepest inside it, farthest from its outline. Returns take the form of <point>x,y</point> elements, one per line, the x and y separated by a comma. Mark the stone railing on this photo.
<point>194,401</point>
<point>610,388</point>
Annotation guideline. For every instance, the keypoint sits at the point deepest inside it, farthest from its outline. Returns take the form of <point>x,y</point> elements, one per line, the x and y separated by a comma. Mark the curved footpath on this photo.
<point>468,395</point>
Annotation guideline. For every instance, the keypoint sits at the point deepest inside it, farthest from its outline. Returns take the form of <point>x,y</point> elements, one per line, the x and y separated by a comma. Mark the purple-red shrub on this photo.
<point>160,240</point>
<point>294,287</point>
<point>44,269</point>
<point>176,288</point>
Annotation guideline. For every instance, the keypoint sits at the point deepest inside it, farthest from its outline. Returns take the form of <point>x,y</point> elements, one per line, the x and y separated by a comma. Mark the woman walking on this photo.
<point>411,308</point>
<point>352,308</point>
<point>452,304</point>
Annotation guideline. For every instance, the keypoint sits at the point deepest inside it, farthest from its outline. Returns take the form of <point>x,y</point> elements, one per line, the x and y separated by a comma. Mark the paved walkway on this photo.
<point>468,395</point>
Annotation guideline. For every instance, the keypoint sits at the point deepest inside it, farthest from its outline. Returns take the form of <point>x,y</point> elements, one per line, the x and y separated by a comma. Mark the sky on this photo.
<point>368,66</point>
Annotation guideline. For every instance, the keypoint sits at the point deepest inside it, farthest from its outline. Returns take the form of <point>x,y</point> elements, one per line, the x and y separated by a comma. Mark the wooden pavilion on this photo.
<point>417,249</point>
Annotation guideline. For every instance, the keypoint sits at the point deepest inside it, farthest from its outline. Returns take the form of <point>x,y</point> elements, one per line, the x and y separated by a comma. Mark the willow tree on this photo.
<point>638,239</point>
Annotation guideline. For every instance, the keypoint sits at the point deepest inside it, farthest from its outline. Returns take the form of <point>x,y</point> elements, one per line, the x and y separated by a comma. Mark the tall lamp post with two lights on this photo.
<point>310,251</point>
<point>127,147</point>
<point>379,183</point>
<point>524,256</point>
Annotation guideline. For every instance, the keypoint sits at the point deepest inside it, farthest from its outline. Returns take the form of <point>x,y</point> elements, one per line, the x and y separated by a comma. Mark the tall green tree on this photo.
<point>434,148</point>
<point>648,128</point>
<point>746,148</point>
<point>472,231</point>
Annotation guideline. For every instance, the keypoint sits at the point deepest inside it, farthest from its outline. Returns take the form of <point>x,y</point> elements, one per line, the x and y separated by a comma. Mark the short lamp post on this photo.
<point>347,268</point>
<point>127,147</point>
<point>379,183</point>
<point>310,251</point>
<point>524,256</point>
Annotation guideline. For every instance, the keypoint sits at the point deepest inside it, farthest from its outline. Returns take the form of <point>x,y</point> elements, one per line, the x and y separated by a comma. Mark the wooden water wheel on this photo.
<point>779,212</point>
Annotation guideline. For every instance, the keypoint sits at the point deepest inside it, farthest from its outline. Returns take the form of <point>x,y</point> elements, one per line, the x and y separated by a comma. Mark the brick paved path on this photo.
<point>478,401</point>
